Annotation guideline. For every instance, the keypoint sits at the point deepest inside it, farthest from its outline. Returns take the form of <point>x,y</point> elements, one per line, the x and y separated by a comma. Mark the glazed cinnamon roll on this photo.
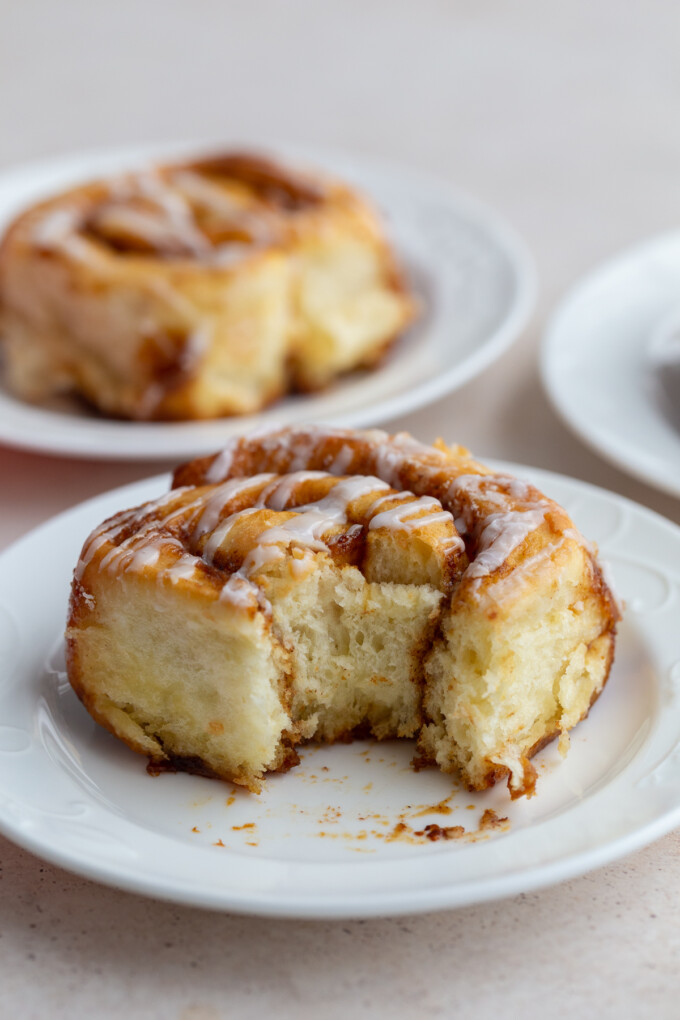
<point>196,289</point>
<point>317,583</point>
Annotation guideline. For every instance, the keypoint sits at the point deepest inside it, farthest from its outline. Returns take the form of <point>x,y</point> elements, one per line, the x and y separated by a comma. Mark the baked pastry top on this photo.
<point>196,289</point>
<point>319,583</point>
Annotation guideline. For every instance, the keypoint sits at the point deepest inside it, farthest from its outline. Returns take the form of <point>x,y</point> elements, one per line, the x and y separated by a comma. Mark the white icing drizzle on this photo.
<point>179,214</point>
<point>154,227</point>
<point>278,495</point>
<point>301,453</point>
<point>391,454</point>
<point>334,505</point>
<point>55,227</point>
<point>126,555</point>
<point>57,231</point>
<point>150,399</point>
<point>499,511</point>
<point>391,497</point>
<point>239,591</point>
<point>220,533</point>
<point>144,556</point>
<point>402,517</point>
<point>501,535</point>
<point>204,193</point>
<point>159,208</point>
<point>96,540</point>
<point>342,460</point>
<point>310,523</point>
<point>221,466</point>
<point>216,502</point>
<point>437,517</point>
<point>183,569</point>
<point>300,530</point>
<point>488,490</point>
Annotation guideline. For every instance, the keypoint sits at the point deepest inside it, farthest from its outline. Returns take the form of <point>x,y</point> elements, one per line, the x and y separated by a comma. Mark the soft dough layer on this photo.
<point>362,583</point>
<point>219,627</point>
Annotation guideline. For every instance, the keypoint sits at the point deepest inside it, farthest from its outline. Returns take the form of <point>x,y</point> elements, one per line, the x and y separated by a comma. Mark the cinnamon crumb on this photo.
<point>434,832</point>
<point>490,820</point>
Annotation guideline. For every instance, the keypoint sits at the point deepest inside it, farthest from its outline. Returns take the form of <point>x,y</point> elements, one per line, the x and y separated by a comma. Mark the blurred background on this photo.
<point>559,116</point>
<point>563,117</point>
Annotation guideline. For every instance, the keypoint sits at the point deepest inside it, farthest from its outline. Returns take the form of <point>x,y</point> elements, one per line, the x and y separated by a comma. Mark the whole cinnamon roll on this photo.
<point>317,583</point>
<point>196,290</point>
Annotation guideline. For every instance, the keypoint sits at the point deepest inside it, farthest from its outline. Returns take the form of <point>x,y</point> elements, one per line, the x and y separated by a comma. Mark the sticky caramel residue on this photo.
<point>433,832</point>
<point>330,816</point>
<point>442,808</point>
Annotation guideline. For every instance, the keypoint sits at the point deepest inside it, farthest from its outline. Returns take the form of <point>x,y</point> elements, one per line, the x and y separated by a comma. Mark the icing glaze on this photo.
<point>156,529</point>
<point>495,513</point>
<point>403,517</point>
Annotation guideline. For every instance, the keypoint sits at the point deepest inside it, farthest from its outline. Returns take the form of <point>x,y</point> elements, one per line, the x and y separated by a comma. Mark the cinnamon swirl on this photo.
<point>315,583</point>
<point>196,290</point>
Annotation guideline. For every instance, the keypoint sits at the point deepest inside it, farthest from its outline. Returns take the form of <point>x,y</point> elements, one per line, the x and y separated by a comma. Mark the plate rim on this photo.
<point>290,905</point>
<point>127,447</point>
<point>579,293</point>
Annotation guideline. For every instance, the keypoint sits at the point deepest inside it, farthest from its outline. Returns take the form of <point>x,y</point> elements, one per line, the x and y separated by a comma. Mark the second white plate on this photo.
<point>598,365</point>
<point>470,271</point>
<point>342,835</point>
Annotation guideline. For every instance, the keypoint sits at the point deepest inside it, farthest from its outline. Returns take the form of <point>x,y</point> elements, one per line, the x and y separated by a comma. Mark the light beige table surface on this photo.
<point>564,117</point>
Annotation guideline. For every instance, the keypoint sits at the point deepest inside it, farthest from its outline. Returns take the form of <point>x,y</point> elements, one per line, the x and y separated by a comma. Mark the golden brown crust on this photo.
<point>496,773</point>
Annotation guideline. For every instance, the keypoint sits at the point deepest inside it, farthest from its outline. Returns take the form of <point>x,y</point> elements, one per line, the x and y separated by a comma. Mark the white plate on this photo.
<point>599,366</point>
<point>314,843</point>
<point>472,274</point>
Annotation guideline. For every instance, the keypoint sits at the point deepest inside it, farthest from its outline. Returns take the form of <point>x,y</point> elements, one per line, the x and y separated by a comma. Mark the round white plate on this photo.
<point>471,273</point>
<point>323,840</point>
<point>601,367</point>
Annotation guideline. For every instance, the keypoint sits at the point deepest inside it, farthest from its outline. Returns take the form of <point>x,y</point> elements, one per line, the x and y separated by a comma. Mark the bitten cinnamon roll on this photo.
<point>196,289</point>
<point>311,584</point>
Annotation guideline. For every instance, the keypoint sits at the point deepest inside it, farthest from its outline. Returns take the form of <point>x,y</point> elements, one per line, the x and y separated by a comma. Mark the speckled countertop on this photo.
<point>566,121</point>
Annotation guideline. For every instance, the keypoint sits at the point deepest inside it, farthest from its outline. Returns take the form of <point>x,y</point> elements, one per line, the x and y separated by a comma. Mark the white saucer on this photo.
<point>600,367</point>
<point>471,273</point>
<point>314,844</point>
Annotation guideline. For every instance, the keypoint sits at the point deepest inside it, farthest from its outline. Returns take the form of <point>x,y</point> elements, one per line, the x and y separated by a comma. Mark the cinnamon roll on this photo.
<point>318,583</point>
<point>196,289</point>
